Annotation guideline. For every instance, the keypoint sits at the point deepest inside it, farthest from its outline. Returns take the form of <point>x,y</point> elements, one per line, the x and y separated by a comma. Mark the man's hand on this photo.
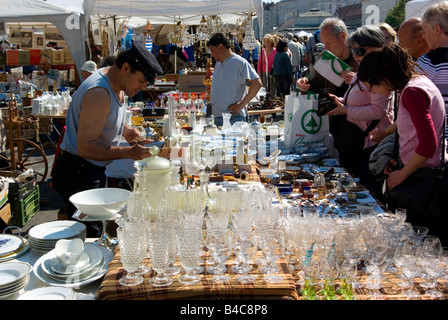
<point>303,85</point>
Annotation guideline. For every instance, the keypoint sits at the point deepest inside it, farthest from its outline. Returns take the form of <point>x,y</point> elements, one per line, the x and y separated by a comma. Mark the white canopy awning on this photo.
<point>71,16</point>
<point>70,24</point>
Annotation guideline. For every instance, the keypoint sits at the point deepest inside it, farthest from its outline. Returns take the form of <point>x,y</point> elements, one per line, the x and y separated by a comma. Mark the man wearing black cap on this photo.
<point>96,123</point>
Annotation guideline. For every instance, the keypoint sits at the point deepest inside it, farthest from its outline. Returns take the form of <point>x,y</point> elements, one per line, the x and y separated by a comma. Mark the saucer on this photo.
<point>60,268</point>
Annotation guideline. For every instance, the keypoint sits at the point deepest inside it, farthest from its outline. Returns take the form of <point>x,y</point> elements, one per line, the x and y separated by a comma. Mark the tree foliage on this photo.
<point>396,15</point>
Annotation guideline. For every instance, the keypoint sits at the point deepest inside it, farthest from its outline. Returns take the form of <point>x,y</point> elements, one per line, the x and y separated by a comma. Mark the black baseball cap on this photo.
<point>143,60</point>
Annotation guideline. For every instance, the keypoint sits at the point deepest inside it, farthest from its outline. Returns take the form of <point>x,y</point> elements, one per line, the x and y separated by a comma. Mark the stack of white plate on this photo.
<point>91,266</point>
<point>12,246</point>
<point>14,276</point>
<point>43,237</point>
<point>49,293</point>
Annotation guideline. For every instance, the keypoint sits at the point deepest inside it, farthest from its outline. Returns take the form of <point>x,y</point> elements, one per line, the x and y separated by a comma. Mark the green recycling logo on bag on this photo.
<point>311,122</point>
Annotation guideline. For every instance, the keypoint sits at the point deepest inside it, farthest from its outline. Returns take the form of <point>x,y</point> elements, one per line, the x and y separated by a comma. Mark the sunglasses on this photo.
<point>358,51</point>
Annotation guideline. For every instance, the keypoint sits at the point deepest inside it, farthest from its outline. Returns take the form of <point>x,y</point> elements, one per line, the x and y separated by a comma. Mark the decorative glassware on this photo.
<point>219,245</point>
<point>245,249</point>
<point>159,247</point>
<point>189,242</point>
<point>133,250</point>
<point>273,247</point>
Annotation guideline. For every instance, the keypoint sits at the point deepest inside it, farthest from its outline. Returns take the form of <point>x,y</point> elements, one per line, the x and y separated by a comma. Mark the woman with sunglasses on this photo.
<point>362,107</point>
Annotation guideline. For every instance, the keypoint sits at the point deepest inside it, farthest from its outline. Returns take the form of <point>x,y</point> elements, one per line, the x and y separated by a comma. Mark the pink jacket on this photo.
<point>364,106</point>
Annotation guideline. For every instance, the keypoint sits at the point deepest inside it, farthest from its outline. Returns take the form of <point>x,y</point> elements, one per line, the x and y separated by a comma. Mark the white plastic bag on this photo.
<point>302,123</point>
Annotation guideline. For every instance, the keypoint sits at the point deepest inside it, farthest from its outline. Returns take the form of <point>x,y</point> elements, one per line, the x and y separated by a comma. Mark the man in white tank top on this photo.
<point>95,124</point>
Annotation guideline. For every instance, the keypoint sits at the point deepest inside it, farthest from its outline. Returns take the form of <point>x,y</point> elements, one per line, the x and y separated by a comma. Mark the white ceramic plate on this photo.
<point>52,267</point>
<point>54,230</point>
<point>49,293</point>
<point>9,243</point>
<point>41,275</point>
<point>23,249</point>
<point>11,272</point>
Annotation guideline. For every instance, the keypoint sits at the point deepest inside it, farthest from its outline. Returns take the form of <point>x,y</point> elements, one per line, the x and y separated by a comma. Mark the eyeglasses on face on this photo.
<point>430,27</point>
<point>359,51</point>
<point>404,42</point>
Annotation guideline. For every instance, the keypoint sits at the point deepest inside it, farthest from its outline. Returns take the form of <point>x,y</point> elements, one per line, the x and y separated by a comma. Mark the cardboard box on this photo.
<point>5,214</point>
<point>191,83</point>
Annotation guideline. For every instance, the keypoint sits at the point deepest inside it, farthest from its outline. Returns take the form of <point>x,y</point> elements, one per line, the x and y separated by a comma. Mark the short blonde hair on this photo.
<point>388,29</point>
<point>269,38</point>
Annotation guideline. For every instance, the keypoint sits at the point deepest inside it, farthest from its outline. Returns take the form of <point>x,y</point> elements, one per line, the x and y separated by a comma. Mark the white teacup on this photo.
<point>69,251</point>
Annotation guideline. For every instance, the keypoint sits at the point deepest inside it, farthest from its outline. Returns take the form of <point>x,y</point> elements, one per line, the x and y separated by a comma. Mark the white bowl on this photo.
<point>101,202</point>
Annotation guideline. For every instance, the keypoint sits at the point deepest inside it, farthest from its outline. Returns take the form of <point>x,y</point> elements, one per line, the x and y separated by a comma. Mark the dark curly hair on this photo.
<point>390,64</point>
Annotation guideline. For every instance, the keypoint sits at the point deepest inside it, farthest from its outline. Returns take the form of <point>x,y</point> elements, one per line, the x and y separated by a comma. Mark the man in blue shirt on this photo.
<point>231,77</point>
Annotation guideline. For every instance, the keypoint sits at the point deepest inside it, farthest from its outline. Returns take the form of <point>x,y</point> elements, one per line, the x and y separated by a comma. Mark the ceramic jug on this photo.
<point>158,176</point>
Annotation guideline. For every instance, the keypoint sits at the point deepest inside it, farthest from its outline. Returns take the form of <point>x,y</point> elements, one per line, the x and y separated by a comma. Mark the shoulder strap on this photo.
<point>371,126</point>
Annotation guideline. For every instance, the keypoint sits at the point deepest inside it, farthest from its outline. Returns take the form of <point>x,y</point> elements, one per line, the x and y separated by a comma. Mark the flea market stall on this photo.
<point>237,212</point>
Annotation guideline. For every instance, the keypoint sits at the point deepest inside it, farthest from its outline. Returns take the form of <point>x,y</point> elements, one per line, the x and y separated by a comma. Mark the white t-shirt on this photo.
<point>229,83</point>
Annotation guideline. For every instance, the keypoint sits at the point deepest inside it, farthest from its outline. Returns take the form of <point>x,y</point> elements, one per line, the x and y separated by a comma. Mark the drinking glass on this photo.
<point>273,247</point>
<point>349,271</point>
<point>220,249</point>
<point>245,249</point>
<point>172,255</point>
<point>311,270</point>
<point>411,271</point>
<point>189,244</point>
<point>400,213</point>
<point>434,268</point>
<point>132,251</point>
<point>159,247</point>
<point>429,250</point>
<point>329,273</point>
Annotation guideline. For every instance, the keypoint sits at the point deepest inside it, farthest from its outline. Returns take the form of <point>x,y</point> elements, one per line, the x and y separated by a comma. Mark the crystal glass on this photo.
<point>311,271</point>
<point>347,279</point>
<point>273,248</point>
<point>434,267</point>
<point>172,269</point>
<point>430,249</point>
<point>245,249</point>
<point>329,272</point>
<point>400,214</point>
<point>159,247</point>
<point>411,271</point>
<point>133,250</point>
<point>219,243</point>
<point>189,243</point>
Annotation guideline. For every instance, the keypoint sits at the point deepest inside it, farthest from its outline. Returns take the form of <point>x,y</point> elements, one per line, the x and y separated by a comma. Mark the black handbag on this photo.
<point>349,138</point>
<point>424,195</point>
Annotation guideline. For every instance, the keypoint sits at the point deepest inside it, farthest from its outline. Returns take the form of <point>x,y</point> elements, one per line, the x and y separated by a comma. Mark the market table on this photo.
<point>110,289</point>
<point>288,289</point>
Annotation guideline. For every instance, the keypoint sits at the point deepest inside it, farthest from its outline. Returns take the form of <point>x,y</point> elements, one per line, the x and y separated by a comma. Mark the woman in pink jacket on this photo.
<point>362,107</point>
<point>420,124</point>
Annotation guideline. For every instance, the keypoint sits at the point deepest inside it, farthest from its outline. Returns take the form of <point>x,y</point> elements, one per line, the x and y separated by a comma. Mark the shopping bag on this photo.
<point>302,123</point>
<point>330,66</point>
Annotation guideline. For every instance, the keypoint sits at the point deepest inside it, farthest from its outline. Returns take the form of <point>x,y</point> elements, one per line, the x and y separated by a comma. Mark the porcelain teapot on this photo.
<point>158,176</point>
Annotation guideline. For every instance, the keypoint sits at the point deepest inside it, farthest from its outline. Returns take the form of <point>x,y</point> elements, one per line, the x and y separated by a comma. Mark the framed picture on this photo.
<point>39,41</point>
<point>52,34</point>
<point>26,39</point>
